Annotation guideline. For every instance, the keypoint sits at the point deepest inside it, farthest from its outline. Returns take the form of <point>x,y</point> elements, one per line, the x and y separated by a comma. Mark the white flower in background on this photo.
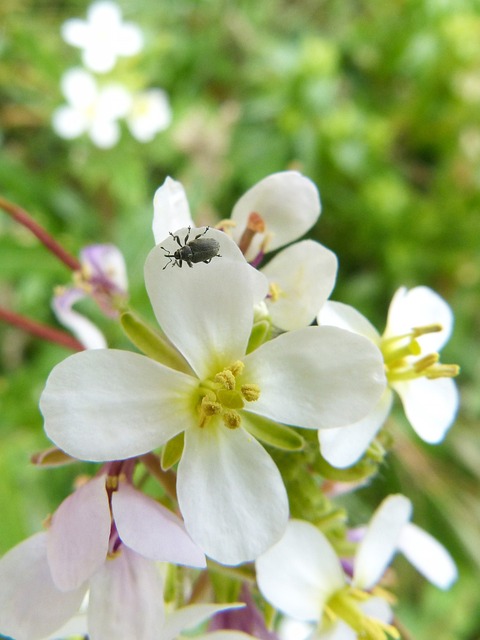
<point>91,109</point>
<point>110,404</point>
<point>103,277</point>
<point>103,36</point>
<point>419,324</point>
<point>105,539</point>
<point>277,210</point>
<point>302,576</point>
<point>149,114</point>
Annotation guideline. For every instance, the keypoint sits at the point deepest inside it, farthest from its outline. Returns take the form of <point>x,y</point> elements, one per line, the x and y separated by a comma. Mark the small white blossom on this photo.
<point>91,109</point>
<point>149,114</point>
<point>103,36</point>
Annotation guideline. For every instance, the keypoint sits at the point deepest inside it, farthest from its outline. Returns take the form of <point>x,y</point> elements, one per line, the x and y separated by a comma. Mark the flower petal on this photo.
<point>305,274</point>
<point>380,542</point>
<point>343,316</point>
<point>287,201</point>
<point>344,446</point>
<point>170,209</point>
<point>78,536</point>
<point>206,311</point>
<point>152,530</point>
<point>31,607</point>
<point>230,493</point>
<point>82,328</point>
<point>428,556</point>
<point>110,404</point>
<point>191,616</point>
<point>299,573</point>
<point>126,599</point>
<point>418,307</point>
<point>430,405</point>
<point>317,377</point>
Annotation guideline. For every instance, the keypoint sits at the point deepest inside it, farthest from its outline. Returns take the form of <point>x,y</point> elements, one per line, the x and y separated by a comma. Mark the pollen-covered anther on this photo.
<point>226,378</point>
<point>231,419</point>
<point>210,407</point>
<point>429,328</point>
<point>250,392</point>
<point>237,368</point>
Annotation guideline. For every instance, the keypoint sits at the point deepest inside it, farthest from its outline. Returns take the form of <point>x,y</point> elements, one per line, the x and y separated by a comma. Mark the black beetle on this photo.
<point>197,250</point>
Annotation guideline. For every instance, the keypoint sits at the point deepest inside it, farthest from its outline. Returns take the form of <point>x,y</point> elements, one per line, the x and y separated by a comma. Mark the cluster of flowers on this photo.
<point>248,362</point>
<point>95,107</point>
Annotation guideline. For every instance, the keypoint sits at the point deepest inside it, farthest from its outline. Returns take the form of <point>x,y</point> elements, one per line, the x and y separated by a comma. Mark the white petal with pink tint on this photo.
<point>152,530</point>
<point>126,599</point>
<point>31,607</point>
<point>78,536</point>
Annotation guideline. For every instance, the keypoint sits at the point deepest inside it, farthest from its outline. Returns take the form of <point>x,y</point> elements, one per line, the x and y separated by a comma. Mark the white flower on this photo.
<point>419,324</point>
<point>109,404</point>
<point>284,206</point>
<point>91,109</point>
<point>149,114</point>
<point>302,576</point>
<point>302,276</point>
<point>103,36</point>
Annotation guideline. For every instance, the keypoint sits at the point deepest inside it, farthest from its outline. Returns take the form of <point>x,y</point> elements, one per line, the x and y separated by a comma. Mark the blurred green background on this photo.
<point>378,103</point>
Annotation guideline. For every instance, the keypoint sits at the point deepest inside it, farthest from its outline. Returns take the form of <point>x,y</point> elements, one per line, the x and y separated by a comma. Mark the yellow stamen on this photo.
<point>231,419</point>
<point>250,392</point>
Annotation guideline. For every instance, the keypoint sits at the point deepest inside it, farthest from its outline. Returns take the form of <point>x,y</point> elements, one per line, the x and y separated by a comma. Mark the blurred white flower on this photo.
<point>91,109</point>
<point>103,36</point>
<point>149,114</point>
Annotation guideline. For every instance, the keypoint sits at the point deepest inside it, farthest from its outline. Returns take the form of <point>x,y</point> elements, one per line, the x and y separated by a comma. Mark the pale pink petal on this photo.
<point>78,535</point>
<point>31,607</point>
<point>430,405</point>
<point>126,599</point>
<point>82,328</point>
<point>428,556</point>
<point>344,446</point>
<point>380,542</point>
<point>152,530</point>
<point>299,573</point>
<point>230,493</point>
<point>108,404</point>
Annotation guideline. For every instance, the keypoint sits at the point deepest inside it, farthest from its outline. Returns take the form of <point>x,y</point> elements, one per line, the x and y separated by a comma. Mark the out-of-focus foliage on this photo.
<point>377,102</point>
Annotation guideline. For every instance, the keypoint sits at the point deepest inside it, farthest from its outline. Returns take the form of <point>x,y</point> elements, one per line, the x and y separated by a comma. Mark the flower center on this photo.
<point>345,605</point>
<point>225,395</point>
<point>399,354</point>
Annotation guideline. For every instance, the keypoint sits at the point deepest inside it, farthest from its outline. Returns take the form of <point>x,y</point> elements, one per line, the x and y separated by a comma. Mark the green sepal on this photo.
<point>172,451</point>
<point>152,342</point>
<point>274,434</point>
<point>362,470</point>
<point>259,335</point>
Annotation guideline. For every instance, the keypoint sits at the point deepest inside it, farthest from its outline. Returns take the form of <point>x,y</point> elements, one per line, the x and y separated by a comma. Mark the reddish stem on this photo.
<point>41,330</point>
<point>21,216</point>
